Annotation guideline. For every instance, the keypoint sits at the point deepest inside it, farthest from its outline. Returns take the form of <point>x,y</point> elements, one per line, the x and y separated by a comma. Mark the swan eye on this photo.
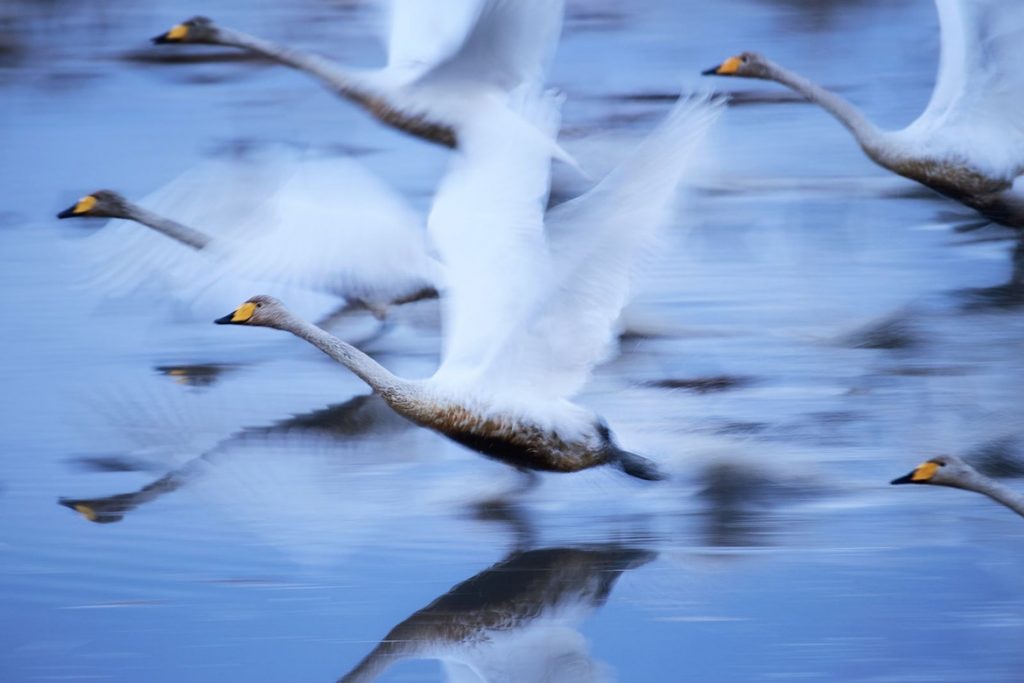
<point>745,59</point>
<point>259,305</point>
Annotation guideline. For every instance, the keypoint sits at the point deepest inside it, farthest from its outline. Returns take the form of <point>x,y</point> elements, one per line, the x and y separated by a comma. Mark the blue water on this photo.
<point>279,542</point>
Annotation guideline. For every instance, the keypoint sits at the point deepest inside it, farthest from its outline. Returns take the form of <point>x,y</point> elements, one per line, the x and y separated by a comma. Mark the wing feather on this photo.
<point>596,242</point>
<point>978,101</point>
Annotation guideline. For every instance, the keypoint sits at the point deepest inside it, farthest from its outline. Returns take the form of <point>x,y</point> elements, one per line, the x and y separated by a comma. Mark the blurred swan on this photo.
<point>281,217</point>
<point>968,144</point>
<point>446,65</point>
<point>527,314</point>
<point>949,470</point>
<point>515,621</point>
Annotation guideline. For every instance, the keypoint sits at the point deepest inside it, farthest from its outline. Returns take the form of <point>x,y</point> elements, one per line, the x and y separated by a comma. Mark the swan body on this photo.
<point>442,71</point>
<point>968,144</point>
<point>528,311</point>
<point>323,225</point>
<point>949,470</point>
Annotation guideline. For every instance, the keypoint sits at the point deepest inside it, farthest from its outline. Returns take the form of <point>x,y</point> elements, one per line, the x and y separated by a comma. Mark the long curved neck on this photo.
<point>330,74</point>
<point>999,493</point>
<point>867,134</point>
<point>367,369</point>
<point>172,229</point>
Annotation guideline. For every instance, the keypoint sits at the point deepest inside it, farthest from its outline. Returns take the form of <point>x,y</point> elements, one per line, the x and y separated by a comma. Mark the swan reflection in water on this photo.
<point>360,416</point>
<point>515,621</point>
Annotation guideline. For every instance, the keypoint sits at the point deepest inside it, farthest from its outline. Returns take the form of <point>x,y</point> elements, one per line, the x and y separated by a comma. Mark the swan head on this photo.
<point>194,30</point>
<point>942,470</point>
<point>99,204</point>
<point>746,65</point>
<point>259,311</point>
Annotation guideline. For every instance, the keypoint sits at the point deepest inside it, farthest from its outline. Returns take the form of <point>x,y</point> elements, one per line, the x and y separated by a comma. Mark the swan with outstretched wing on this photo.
<point>529,309</point>
<point>969,142</point>
<point>281,217</point>
<point>445,65</point>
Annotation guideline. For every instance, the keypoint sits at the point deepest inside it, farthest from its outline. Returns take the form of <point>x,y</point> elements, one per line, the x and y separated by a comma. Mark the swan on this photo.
<point>319,224</point>
<point>526,314</point>
<point>949,470</point>
<point>445,66</point>
<point>968,144</point>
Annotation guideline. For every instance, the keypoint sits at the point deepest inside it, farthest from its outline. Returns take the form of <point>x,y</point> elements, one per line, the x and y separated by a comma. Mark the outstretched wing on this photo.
<point>978,100</point>
<point>420,35</point>
<point>333,226</point>
<point>487,226</point>
<point>596,241</point>
<point>511,42</point>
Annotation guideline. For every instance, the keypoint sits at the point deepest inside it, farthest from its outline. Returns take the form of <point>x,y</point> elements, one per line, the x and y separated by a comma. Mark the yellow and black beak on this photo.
<point>177,34</point>
<point>91,512</point>
<point>80,208</point>
<point>922,474</point>
<point>727,68</point>
<point>240,316</point>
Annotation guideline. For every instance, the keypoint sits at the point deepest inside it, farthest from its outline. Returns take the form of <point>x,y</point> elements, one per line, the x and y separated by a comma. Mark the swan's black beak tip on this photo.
<point>713,71</point>
<point>161,39</point>
<point>225,320</point>
<point>905,479</point>
<point>67,213</point>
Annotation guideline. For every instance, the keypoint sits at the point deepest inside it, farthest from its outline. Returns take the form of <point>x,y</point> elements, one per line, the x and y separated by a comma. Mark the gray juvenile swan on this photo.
<point>444,67</point>
<point>273,218</point>
<point>968,144</point>
<point>949,470</point>
<point>529,308</point>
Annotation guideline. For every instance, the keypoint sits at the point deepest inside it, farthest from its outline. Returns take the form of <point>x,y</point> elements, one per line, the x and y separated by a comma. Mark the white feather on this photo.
<point>528,312</point>
<point>976,110</point>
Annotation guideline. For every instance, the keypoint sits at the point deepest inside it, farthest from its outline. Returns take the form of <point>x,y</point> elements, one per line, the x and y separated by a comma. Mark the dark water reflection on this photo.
<point>516,620</point>
<point>814,327</point>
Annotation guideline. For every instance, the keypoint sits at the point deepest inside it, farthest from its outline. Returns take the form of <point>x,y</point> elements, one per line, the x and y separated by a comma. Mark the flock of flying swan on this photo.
<point>529,294</point>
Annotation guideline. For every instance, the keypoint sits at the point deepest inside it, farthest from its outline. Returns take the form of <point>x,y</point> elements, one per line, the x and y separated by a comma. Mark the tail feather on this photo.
<point>638,466</point>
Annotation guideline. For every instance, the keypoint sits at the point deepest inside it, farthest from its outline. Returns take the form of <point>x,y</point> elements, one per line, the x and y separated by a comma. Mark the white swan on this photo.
<point>949,470</point>
<point>968,144</point>
<point>277,216</point>
<point>526,314</point>
<point>446,64</point>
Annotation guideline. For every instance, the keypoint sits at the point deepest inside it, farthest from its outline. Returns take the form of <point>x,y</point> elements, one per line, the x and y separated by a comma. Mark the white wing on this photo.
<point>596,241</point>
<point>421,35</point>
<point>510,43</point>
<point>333,226</point>
<point>487,225</point>
<point>978,100</point>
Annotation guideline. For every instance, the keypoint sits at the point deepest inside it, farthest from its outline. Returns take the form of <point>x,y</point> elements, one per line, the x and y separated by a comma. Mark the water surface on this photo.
<point>254,515</point>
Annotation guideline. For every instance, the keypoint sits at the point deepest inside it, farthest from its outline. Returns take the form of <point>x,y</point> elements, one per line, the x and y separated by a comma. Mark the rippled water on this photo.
<point>256,516</point>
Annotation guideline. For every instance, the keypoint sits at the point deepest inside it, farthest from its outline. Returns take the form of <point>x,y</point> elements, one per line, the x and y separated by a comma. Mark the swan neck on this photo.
<point>999,493</point>
<point>329,73</point>
<point>173,229</point>
<point>867,134</point>
<point>367,369</point>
